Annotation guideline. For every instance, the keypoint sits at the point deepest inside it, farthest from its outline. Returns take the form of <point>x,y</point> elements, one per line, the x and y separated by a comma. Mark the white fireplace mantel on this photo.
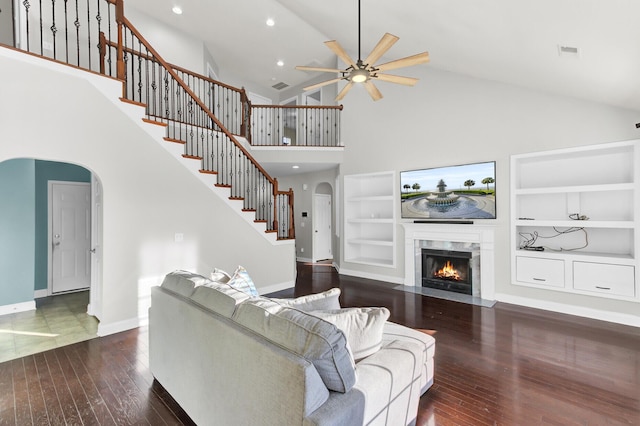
<point>484,235</point>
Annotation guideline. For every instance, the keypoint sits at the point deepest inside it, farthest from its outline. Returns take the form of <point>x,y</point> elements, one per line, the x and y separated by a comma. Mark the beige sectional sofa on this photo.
<point>232,359</point>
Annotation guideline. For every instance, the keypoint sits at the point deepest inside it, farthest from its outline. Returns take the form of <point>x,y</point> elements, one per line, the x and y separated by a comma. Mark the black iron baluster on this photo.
<point>110,38</point>
<point>41,33</point>
<point>66,33</point>
<point>139,53</point>
<point>88,36</point>
<point>77,25</point>
<point>53,27</point>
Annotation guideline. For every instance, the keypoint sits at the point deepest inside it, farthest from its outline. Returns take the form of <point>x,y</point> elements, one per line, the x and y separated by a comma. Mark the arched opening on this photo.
<point>32,241</point>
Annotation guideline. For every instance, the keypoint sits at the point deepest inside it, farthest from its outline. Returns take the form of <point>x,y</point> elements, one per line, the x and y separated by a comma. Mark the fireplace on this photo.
<point>477,239</point>
<point>448,270</point>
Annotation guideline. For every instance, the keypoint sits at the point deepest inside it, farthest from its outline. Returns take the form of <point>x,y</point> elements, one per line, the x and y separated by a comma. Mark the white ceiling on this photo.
<point>512,41</point>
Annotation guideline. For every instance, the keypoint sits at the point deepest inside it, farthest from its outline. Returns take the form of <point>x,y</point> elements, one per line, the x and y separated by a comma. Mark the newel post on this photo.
<point>246,115</point>
<point>292,229</point>
<point>120,51</point>
<point>103,50</point>
<point>275,204</point>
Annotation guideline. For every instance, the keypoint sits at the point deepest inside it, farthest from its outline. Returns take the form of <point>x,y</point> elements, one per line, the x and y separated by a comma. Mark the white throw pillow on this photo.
<point>363,327</point>
<point>243,282</point>
<point>327,300</point>
<point>220,276</point>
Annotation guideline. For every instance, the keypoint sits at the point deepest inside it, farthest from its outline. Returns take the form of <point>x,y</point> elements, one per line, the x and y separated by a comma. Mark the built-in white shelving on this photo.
<point>597,183</point>
<point>370,219</point>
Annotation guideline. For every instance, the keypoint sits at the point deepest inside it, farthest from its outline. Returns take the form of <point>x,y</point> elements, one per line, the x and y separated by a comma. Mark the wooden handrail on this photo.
<point>175,67</point>
<point>339,107</point>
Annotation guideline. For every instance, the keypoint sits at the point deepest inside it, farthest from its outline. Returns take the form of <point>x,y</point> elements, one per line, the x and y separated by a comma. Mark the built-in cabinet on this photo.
<point>370,219</point>
<point>574,224</point>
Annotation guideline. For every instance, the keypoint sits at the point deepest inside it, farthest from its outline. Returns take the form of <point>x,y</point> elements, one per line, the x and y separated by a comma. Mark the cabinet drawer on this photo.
<point>539,271</point>
<point>604,278</point>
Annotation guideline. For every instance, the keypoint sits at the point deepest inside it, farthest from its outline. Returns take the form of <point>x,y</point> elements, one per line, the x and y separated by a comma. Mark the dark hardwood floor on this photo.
<point>504,365</point>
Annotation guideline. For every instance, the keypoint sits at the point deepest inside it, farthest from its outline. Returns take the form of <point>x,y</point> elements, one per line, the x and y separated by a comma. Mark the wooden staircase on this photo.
<point>202,118</point>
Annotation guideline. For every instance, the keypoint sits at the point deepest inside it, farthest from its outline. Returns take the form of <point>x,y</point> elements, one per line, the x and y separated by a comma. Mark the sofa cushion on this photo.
<point>219,298</point>
<point>324,301</point>
<point>363,327</point>
<point>183,282</point>
<point>243,282</point>
<point>313,338</point>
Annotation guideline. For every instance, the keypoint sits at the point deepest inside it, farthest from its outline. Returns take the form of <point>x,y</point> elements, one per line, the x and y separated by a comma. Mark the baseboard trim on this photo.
<point>39,294</point>
<point>562,308</point>
<point>117,327</point>
<point>377,277</point>
<point>276,287</point>
<point>303,259</point>
<point>17,307</point>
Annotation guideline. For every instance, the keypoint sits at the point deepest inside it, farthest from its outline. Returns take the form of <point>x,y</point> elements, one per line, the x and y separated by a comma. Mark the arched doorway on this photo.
<point>26,255</point>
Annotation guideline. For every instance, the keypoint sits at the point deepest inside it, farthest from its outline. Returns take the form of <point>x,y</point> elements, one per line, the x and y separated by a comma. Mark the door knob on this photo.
<point>57,243</point>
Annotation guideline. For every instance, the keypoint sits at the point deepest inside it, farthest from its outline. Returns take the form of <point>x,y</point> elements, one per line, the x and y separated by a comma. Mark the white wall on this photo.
<point>450,119</point>
<point>148,196</point>
<point>175,46</point>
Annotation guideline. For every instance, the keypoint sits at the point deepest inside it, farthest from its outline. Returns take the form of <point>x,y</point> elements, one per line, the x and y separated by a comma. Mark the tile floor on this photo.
<point>57,321</point>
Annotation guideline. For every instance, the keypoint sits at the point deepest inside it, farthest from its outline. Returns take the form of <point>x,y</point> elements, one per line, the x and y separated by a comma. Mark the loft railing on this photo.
<point>65,30</point>
<point>280,125</point>
<point>107,42</point>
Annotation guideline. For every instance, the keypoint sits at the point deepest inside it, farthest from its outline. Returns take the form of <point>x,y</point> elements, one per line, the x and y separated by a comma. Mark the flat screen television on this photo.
<point>462,192</point>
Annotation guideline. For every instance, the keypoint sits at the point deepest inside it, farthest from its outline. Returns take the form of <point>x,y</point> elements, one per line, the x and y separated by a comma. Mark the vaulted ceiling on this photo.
<point>512,41</point>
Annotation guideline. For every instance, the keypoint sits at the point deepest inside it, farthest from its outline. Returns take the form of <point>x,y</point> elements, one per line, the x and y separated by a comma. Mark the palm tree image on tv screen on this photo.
<point>466,191</point>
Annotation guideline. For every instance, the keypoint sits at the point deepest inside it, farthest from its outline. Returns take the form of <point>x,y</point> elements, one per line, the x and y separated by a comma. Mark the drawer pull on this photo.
<point>603,288</point>
<point>539,279</point>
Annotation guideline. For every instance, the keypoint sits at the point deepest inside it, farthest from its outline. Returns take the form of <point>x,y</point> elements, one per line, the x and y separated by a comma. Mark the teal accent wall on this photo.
<point>44,172</point>
<point>17,231</point>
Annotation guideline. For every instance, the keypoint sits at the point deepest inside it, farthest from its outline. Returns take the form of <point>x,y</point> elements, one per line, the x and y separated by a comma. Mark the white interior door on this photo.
<point>322,228</point>
<point>95,299</point>
<point>70,236</point>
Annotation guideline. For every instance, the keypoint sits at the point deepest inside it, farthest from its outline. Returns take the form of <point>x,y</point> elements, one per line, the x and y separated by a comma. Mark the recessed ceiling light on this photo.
<point>280,63</point>
<point>295,167</point>
<point>271,22</point>
<point>177,10</point>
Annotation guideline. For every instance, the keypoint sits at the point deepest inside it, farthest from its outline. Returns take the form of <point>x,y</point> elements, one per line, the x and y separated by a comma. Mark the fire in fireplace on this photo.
<point>447,270</point>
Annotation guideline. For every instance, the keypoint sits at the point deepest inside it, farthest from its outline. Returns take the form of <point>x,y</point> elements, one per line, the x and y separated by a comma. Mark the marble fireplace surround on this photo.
<point>483,235</point>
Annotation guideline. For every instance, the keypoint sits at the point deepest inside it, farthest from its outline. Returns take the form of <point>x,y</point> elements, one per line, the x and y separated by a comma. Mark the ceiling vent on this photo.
<point>280,86</point>
<point>568,51</point>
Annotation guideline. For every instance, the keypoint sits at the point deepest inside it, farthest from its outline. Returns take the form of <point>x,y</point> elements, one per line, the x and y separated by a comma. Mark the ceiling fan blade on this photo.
<point>338,50</point>
<point>300,68</point>
<point>407,81</point>
<point>324,83</point>
<point>409,61</point>
<point>344,91</point>
<point>373,90</point>
<point>381,48</point>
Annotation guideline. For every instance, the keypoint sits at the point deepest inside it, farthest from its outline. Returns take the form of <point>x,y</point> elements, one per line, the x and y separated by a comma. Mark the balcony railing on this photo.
<point>279,125</point>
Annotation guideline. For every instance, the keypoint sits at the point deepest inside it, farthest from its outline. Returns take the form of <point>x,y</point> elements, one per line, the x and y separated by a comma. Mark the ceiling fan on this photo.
<point>364,71</point>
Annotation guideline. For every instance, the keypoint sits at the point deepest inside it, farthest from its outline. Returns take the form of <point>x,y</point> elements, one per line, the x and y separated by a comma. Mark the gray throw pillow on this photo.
<point>309,336</point>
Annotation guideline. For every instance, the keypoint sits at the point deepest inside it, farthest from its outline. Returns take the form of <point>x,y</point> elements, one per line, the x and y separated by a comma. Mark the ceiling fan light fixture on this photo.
<point>359,76</point>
